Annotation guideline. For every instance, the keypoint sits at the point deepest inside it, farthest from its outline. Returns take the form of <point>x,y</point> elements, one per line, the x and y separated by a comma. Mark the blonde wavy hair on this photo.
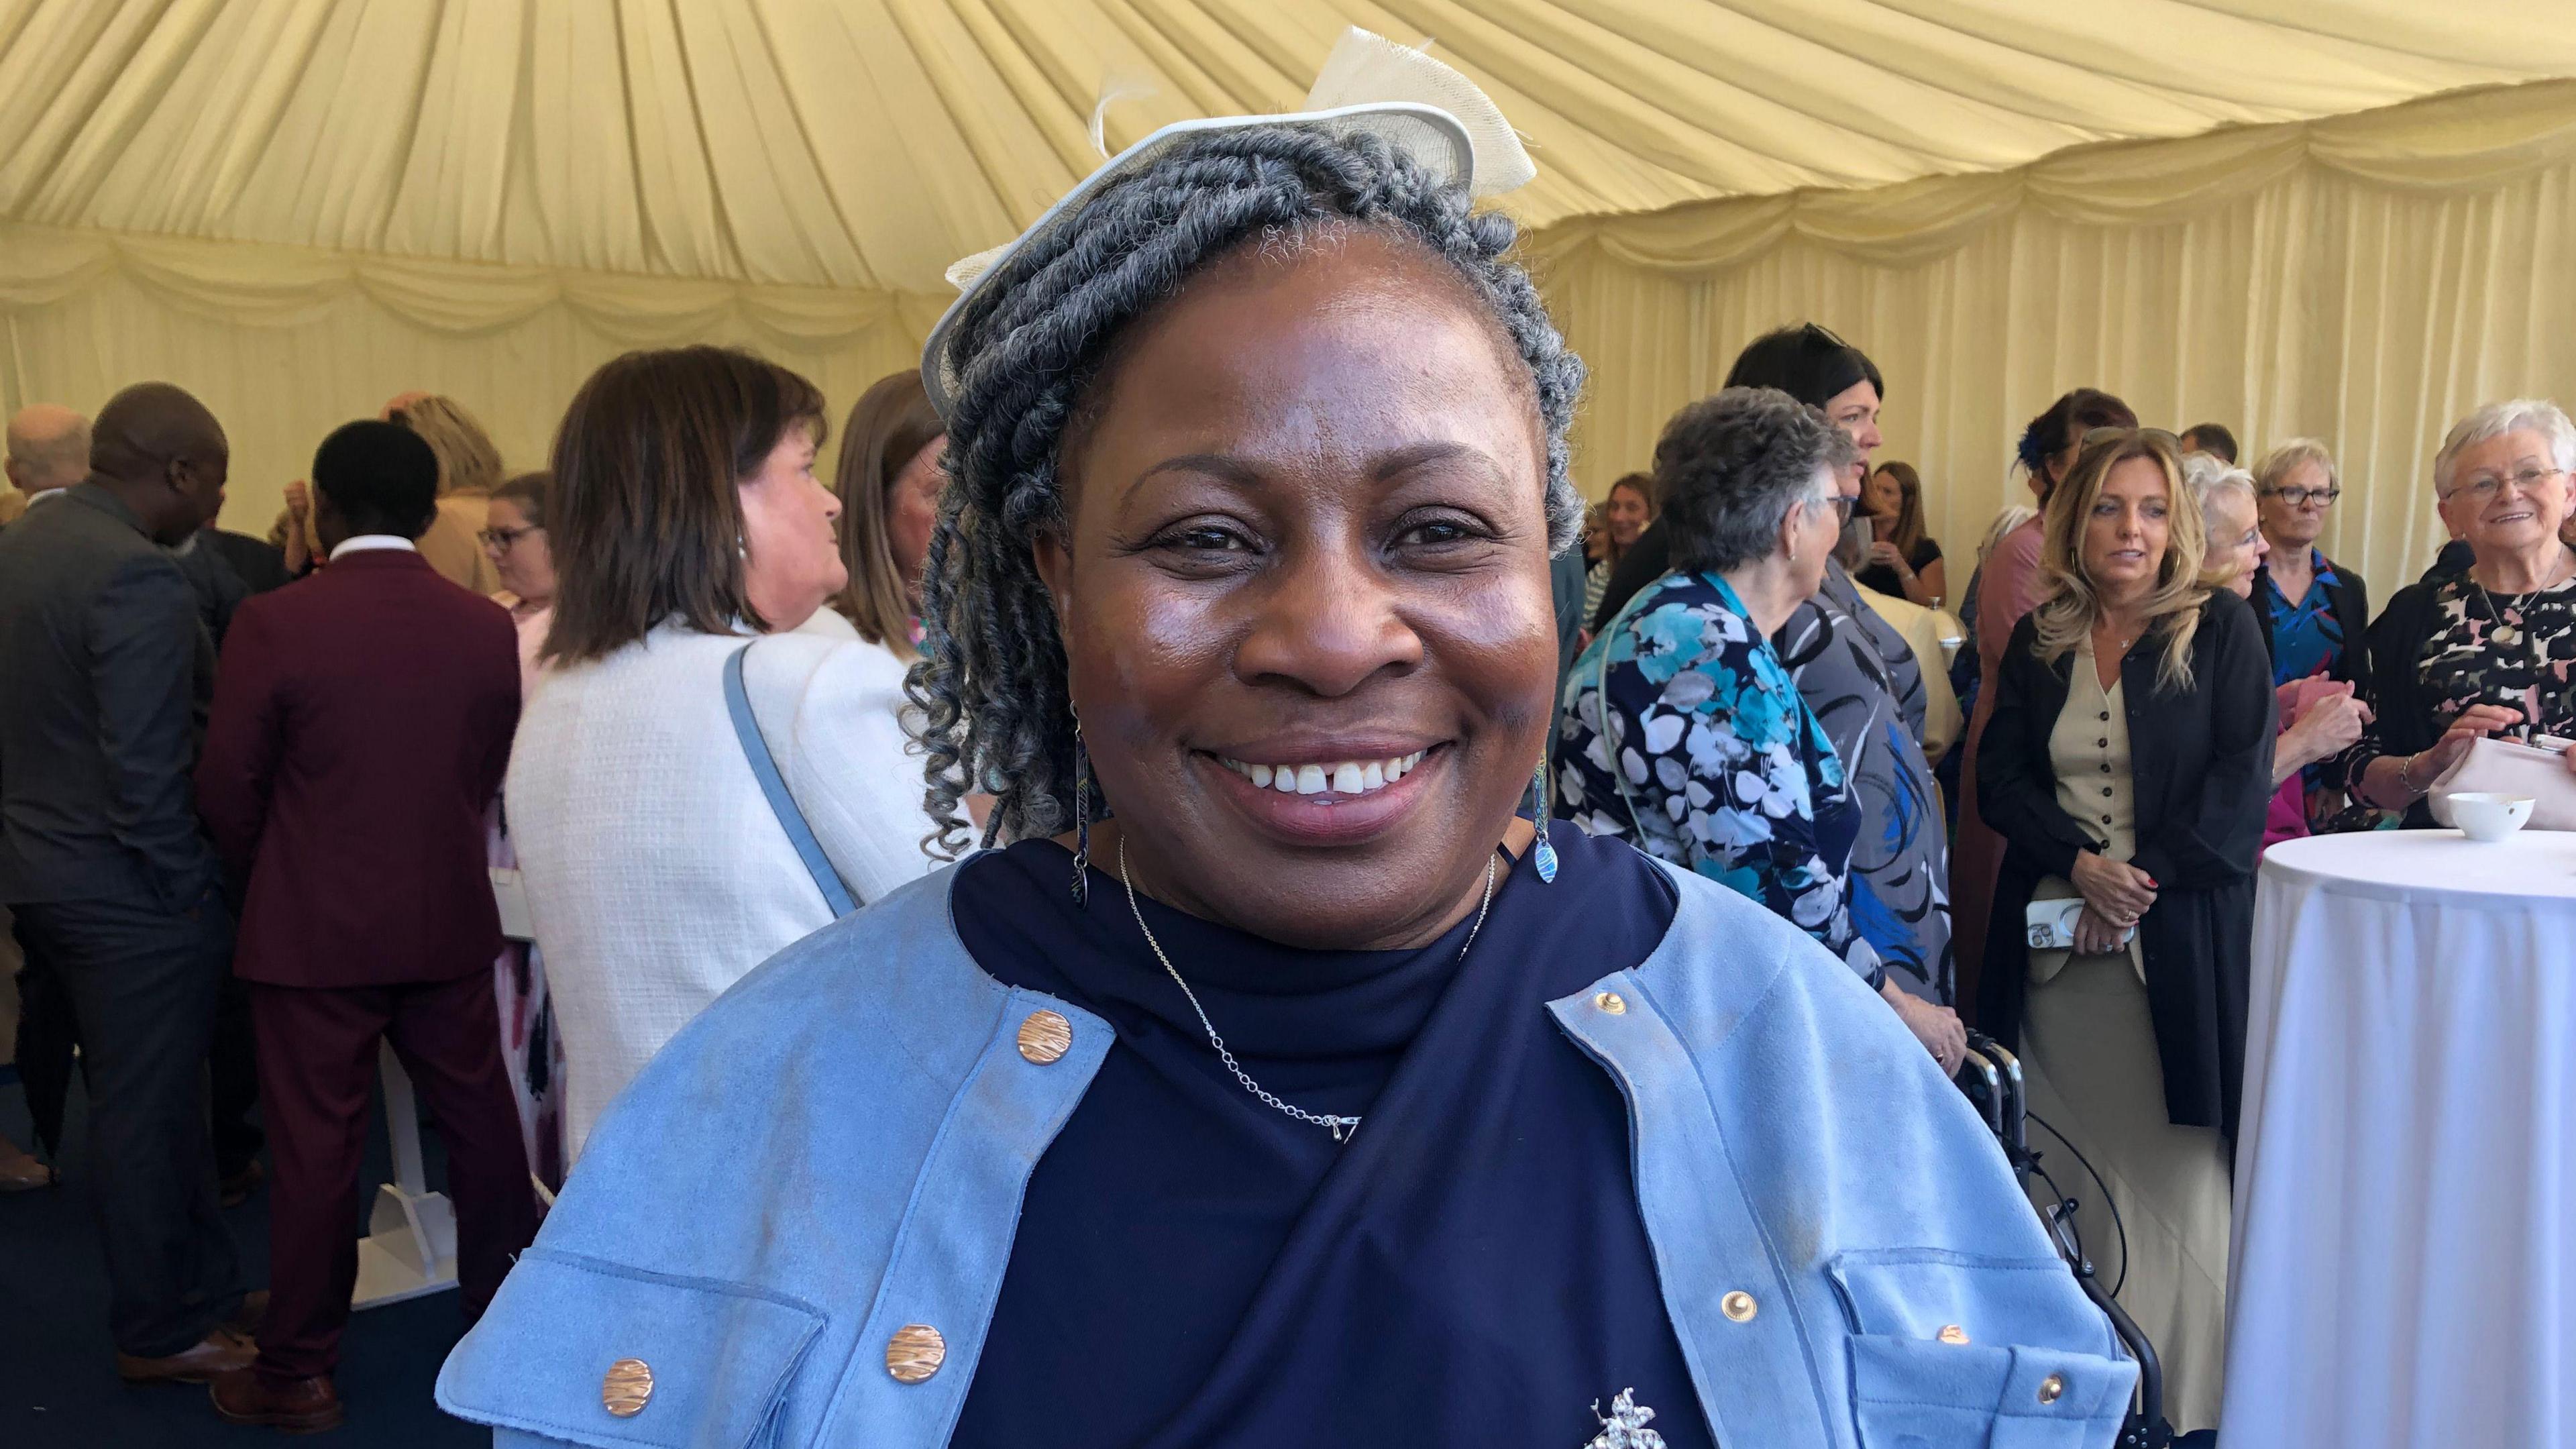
<point>468,464</point>
<point>2172,608</point>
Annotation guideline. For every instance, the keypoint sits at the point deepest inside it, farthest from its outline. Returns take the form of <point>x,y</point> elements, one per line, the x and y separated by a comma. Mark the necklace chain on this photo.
<point>2531,646</point>
<point>1340,1127</point>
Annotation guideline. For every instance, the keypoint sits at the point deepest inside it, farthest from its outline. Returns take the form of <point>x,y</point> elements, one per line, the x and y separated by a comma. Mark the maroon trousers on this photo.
<point>317,1064</point>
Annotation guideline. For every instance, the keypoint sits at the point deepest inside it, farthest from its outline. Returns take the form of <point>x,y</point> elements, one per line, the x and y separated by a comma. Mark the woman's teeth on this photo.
<point>1349,777</point>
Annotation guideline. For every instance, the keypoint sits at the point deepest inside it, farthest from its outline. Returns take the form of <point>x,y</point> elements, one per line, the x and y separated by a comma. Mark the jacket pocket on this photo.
<point>581,1351</point>
<point>1925,1394</point>
<point>1952,1350</point>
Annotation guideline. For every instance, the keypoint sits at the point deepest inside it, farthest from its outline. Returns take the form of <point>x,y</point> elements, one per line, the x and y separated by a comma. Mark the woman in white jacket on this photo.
<point>686,522</point>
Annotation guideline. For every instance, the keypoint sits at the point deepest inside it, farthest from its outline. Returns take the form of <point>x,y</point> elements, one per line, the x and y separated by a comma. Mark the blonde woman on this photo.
<point>2127,761</point>
<point>469,468</point>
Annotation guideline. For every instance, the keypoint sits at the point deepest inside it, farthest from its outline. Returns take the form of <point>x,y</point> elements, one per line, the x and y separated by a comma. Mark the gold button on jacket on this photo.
<point>1045,1037</point>
<point>628,1387</point>
<point>915,1353</point>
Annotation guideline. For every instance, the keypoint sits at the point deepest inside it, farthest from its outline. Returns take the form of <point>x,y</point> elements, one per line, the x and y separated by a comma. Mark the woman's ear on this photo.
<point>1054,559</point>
<point>1792,523</point>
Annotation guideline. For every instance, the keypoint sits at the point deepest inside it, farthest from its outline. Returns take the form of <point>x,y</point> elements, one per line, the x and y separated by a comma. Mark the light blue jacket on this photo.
<point>837,1149</point>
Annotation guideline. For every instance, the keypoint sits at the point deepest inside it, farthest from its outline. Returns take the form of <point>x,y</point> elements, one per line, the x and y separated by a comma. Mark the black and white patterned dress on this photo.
<point>2515,650</point>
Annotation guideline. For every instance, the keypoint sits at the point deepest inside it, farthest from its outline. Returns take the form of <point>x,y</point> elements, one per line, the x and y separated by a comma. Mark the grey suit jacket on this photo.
<point>102,656</point>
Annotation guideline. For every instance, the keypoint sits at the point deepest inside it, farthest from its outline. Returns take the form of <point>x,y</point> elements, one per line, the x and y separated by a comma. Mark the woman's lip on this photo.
<point>1325,752</point>
<point>1327,818</point>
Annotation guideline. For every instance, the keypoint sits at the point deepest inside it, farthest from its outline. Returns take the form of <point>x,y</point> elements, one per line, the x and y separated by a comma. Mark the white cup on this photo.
<point>2483,816</point>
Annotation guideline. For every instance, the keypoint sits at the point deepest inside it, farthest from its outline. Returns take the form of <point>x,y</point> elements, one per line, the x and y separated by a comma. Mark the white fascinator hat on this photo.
<point>1369,85</point>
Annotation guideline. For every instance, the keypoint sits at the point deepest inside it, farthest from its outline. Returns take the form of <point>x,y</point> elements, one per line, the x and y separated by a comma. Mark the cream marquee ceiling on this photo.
<point>864,144</point>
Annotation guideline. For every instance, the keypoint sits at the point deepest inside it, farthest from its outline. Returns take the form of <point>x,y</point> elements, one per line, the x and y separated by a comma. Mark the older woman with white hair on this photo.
<point>1684,732</point>
<point>2487,652</point>
<point>2320,717</point>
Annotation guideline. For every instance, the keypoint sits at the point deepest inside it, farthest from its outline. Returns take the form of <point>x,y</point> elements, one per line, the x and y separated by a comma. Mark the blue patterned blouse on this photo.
<point>2307,638</point>
<point>1725,769</point>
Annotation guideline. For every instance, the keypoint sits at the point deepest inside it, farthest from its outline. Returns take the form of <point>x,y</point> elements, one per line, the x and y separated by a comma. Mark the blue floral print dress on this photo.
<point>1724,767</point>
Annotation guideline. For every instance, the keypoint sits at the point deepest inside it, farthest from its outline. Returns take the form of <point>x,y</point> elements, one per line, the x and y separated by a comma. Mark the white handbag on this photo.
<point>2502,767</point>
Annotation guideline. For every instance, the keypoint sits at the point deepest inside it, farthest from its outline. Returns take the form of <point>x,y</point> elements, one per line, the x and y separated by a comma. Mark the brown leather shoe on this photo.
<point>306,1406</point>
<point>217,1353</point>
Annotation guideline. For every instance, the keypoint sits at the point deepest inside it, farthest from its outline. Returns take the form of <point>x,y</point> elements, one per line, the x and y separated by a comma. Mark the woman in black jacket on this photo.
<point>2128,763</point>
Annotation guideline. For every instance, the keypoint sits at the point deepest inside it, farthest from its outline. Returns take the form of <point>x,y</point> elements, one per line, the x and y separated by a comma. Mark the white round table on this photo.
<point>2404,1269</point>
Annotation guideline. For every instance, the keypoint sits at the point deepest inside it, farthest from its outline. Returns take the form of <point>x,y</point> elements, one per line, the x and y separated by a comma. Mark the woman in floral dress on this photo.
<point>1683,732</point>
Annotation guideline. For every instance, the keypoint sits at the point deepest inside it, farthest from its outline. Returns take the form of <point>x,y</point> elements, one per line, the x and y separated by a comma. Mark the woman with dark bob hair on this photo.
<point>684,522</point>
<point>1278,1084</point>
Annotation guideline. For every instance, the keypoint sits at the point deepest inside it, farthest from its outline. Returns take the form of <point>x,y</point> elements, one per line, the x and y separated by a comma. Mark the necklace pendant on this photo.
<point>1343,1128</point>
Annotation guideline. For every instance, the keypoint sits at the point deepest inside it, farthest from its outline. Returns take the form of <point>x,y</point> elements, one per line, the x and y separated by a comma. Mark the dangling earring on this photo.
<point>1081,818</point>
<point>1544,853</point>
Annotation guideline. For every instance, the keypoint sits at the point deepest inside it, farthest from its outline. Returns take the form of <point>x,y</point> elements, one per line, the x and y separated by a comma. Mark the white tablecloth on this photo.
<point>2406,1170</point>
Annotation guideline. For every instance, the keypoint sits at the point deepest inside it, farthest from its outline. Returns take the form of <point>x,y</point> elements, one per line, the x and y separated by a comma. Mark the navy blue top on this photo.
<point>1193,1268</point>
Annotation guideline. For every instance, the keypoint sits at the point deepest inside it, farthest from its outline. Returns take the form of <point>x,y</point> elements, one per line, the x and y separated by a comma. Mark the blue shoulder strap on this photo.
<point>764,768</point>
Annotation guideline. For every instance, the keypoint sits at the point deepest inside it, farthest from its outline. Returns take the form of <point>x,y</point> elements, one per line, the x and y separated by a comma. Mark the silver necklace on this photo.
<point>1340,1127</point>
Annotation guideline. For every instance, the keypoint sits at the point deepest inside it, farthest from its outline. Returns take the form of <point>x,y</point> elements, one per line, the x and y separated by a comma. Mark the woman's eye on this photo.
<point>1207,538</point>
<point>1437,533</point>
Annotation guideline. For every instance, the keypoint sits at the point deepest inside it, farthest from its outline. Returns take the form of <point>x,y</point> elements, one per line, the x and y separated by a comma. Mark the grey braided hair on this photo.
<point>1028,351</point>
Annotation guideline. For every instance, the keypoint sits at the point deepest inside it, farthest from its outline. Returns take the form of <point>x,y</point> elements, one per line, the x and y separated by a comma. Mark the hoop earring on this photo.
<point>1081,818</point>
<point>1544,852</point>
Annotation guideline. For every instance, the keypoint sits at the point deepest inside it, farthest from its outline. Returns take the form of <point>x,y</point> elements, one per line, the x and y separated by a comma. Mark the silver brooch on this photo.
<point>1625,1428</point>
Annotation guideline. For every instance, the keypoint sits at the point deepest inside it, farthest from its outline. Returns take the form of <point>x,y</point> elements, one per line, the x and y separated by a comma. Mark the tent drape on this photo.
<point>285,343</point>
<point>868,143</point>
<point>2364,279</point>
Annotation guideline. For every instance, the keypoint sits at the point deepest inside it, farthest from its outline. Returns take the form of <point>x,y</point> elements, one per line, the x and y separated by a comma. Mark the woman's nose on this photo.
<point>1327,623</point>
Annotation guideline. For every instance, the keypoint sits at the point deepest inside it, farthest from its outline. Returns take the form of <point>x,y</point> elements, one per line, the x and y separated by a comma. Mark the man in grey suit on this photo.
<point>103,863</point>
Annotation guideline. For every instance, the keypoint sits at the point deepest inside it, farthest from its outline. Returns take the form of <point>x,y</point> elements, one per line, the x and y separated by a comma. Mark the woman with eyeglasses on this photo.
<point>2126,762</point>
<point>2320,717</point>
<point>2315,611</point>
<point>1735,776</point>
<point>514,539</point>
<point>2488,652</point>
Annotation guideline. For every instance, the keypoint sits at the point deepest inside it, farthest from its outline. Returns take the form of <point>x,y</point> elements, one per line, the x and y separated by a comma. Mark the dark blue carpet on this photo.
<point>58,1383</point>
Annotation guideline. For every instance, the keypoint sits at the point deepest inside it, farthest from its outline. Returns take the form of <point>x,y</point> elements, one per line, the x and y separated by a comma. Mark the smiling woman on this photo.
<point>1277,1085</point>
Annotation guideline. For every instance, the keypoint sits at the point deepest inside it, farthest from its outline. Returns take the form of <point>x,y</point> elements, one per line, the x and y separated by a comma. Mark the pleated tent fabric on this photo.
<point>299,207</point>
